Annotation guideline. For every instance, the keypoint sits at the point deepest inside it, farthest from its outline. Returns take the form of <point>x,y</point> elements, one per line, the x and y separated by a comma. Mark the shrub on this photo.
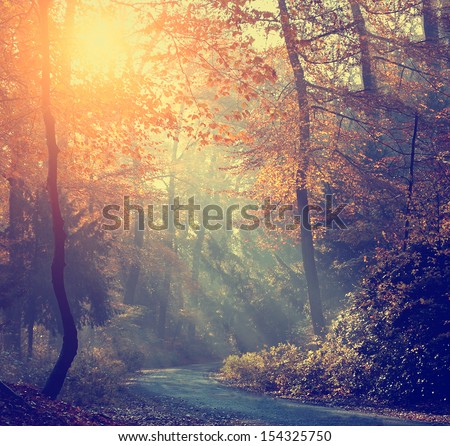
<point>248,370</point>
<point>391,344</point>
<point>273,369</point>
<point>94,377</point>
<point>397,324</point>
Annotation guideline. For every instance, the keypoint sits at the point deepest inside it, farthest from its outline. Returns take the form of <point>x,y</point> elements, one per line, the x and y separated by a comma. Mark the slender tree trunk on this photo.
<point>307,244</point>
<point>196,254</point>
<point>309,266</point>
<point>367,71</point>
<point>12,337</point>
<point>369,78</point>
<point>435,51</point>
<point>30,333</point>
<point>135,269</point>
<point>70,338</point>
<point>438,219</point>
<point>444,24</point>
<point>131,285</point>
<point>163,305</point>
<point>171,242</point>
<point>409,197</point>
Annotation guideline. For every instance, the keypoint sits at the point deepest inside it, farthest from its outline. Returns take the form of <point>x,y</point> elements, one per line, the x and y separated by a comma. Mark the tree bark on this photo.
<point>367,71</point>
<point>444,23</point>
<point>13,313</point>
<point>163,305</point>
<point>196,255</point>
<point>135,269</point>
<point>172,240</point>
<point>410,183</point>
<point>307,243</point>
<point>70,339</point>
<point>430,20</point>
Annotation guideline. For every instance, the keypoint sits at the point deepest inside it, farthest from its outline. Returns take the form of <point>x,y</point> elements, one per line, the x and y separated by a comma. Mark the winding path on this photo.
<point>193,387</point>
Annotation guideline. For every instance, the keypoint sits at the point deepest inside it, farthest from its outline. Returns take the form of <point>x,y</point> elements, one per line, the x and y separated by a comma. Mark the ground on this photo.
<point>128,410</point>
<point>150,408</point>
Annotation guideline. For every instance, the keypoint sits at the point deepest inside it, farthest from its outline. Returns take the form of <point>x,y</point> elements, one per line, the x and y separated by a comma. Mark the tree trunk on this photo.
<point>196,255</point>
<point>444,24</point>
<point>12,336</point>
<point>435,50</point>
<point>309,266</point>
<point>70,339</point>
<point>163,305</point>
<point>135,269</point>
<point>368,76</point>
<point>131,285</point>
<point>430,20</point>
<point>367,71</point>
<point>307,244</point>
<point>410,183</point>
<point>171,241</point>
<point>30,335</point>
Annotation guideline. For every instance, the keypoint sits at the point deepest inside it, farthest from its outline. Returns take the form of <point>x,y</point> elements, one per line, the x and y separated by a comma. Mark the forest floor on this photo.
<point>133,406</point>
<point>126,409</point>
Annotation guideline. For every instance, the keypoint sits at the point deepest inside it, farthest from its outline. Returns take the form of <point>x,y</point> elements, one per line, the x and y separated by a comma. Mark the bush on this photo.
<point>34,371</point>
<point>248,370</point>
<point>94,377</point>
<point>272,369</point>
<point>398,325</point>
<point>391,344</point>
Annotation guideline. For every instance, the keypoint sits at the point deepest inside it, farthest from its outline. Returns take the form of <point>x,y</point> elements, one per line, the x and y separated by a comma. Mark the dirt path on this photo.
<point>194,389</point>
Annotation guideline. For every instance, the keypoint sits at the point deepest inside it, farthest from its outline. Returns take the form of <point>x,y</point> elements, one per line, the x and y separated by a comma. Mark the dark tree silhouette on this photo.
<point>70,340</point>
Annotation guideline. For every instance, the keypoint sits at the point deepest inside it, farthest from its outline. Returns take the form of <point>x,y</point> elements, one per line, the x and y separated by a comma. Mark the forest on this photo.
<point>255,186</point>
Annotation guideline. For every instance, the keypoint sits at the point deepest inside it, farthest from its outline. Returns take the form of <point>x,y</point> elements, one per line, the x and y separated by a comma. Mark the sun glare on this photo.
<point>100,46</point>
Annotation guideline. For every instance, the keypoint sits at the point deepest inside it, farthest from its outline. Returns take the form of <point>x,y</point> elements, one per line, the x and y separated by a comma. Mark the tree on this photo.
<point>70,340</point>
<point>303,154</point>
<point>368,75</point>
